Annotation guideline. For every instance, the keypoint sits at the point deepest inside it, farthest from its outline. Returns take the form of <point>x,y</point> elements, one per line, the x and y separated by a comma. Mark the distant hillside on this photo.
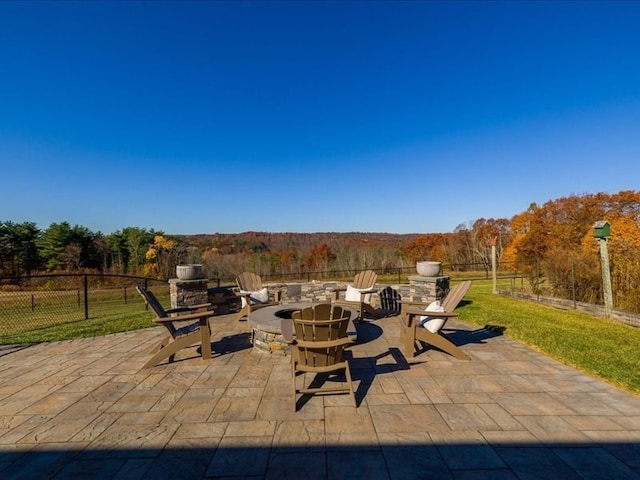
<point>289,241</point>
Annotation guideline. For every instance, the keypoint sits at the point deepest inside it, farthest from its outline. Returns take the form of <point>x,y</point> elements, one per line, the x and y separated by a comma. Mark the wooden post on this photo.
<point>492,242</point>
<point>606,277</point>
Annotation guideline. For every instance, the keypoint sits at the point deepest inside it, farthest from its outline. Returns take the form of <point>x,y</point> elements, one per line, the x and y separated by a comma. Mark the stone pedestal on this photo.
<point>427,289</point>
<point>185,293</point>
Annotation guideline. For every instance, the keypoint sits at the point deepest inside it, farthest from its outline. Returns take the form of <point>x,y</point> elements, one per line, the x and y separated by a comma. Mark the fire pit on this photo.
<point>272,327</point>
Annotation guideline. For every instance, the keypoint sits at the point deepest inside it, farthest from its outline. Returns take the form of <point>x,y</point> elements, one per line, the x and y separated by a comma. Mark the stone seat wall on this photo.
<point>224,300</point>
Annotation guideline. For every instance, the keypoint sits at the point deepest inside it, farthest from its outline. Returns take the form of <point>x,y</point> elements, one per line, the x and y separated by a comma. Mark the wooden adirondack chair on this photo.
<point>358,294</point>
<point>253,295</point>
<point>180,335</point>
<point>411,331</point>
<point>321,338</point>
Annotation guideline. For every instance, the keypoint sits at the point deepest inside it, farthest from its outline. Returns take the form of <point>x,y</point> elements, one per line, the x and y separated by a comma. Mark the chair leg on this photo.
<point>165,341</point>
<point>408,341</point>
<point>439,341</point>
<point>243,313</point>
<point>170,350</point>
<point>370,310</point>
<point>293,381</point>
<point>347,373</point>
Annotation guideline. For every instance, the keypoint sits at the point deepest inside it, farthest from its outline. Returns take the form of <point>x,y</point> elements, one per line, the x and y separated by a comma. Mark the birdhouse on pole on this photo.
<point>602,229</point>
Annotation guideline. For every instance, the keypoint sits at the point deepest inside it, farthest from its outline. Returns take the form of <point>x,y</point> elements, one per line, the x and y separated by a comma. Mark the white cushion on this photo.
<point>260,296</point>
<point>433,324</point>
<point>354,294</point>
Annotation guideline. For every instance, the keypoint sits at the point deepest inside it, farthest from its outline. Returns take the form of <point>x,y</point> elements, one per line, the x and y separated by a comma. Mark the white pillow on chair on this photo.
<point>260,296</point>
<point>352,294</point>
<point>433,324</point>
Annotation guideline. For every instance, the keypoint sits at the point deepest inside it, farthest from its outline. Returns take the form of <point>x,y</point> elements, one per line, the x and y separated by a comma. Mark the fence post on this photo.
<point>494,266</point>
<point>86,297</point>
<point>573,284</point>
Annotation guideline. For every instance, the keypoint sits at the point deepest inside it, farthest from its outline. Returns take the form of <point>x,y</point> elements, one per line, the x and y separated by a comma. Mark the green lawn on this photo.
<point>104,324</point>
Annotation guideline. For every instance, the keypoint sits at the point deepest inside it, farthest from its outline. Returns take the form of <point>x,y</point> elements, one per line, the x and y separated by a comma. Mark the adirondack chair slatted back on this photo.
<point>321,311</point>
<point>320,343</point>
<point>152,301</point>
<point>317,330</point>
<point>366,279</point>
<point>455,296</point>
<point>249,282</point>
<point>157,307</point>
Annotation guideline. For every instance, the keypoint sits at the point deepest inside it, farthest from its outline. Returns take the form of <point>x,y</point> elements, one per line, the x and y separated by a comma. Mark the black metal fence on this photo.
<point>42,301</point>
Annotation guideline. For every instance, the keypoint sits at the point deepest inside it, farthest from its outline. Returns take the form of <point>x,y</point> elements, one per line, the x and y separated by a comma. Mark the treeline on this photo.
<point>27,250</point>
<point>552,244</point>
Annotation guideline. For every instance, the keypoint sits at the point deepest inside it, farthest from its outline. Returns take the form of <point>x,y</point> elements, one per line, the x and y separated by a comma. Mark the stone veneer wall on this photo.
<point>188,292</point>
<point>192,292</point>
<point>318,291</point>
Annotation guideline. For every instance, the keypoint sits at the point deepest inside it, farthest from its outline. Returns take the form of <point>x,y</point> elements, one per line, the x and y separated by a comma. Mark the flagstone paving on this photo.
<point>86,409</point>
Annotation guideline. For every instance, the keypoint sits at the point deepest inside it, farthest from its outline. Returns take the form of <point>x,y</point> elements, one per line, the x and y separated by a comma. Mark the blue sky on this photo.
<point>402,117</point>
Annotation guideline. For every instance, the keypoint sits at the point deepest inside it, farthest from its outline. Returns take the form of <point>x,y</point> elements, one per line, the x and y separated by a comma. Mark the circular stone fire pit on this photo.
<point>266,323</point>
<point>266,326</point>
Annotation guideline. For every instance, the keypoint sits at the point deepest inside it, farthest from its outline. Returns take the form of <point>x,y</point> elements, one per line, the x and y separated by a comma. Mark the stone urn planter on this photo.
<point>189,272</point>
<point>428,269</point>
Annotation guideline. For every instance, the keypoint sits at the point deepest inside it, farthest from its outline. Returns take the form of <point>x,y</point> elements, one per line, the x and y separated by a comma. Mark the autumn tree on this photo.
<point>161,257</point>
<point>430,246</point>
<point>137,241</point>
<point>320,257</point>
<point>624,254</point>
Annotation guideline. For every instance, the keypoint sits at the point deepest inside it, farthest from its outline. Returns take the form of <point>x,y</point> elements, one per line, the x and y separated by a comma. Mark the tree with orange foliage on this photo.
<point>430,246</point>
<point>161,257</point>
<point>320,257</point>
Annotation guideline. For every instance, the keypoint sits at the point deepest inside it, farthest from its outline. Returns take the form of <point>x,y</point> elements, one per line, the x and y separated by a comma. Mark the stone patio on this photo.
<point>86,409</point>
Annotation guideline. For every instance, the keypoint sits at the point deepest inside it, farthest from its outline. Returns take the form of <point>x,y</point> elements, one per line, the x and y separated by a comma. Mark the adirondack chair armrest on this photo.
<point>336,292</point>
<point>185,318</point>
<point>423,312</point>
<point>407,304</point>
<point>408,317</point>
<point>370,290</point>
<point>188,308</point>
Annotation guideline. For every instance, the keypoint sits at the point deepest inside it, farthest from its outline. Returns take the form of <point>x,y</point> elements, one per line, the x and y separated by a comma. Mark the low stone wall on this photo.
<point>589,308</point>
<point>224,301</point>
<point>318,291</point>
